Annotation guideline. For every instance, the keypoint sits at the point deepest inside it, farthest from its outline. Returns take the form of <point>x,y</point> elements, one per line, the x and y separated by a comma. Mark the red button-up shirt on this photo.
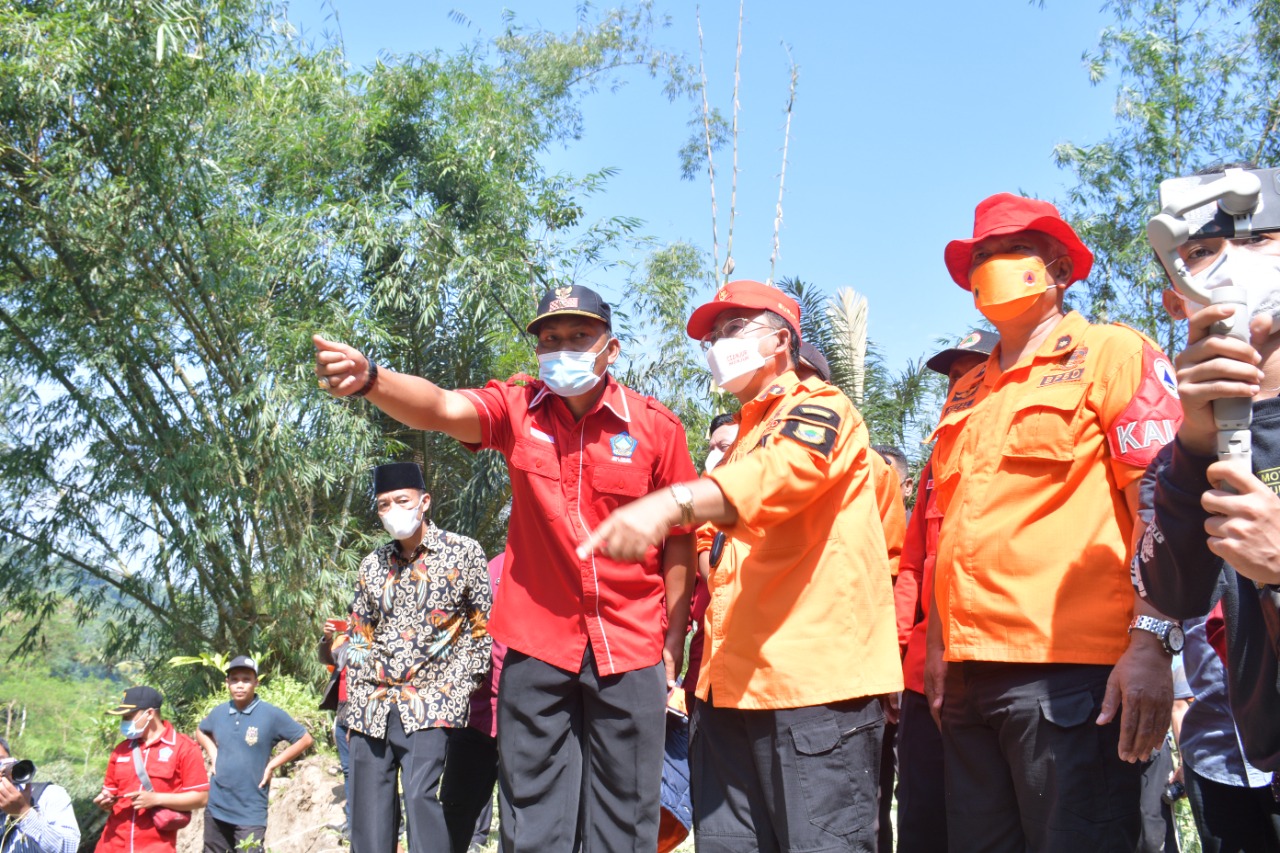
<point>567,476</point>
<point>914,590</point>
<point>175,765</point>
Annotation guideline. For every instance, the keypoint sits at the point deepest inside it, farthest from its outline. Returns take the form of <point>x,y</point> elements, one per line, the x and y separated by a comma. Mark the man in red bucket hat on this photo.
<point>1049,678</point>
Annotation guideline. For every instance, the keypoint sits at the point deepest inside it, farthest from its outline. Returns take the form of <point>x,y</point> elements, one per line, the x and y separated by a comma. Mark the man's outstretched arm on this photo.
<point>412,400</point>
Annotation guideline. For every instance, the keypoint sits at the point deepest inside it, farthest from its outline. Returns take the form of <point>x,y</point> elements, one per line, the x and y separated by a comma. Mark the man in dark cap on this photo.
<point>593,642</point>
<point>418,646</point>
<point>1050,678</point>
<point>239,737</point>
<point>155,779</point>
<point>922,816</point>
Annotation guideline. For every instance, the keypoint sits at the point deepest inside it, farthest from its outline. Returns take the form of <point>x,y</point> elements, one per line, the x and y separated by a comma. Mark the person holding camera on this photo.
<point>1215,534</point>
<point>38,817</point>
<point>155,779</point>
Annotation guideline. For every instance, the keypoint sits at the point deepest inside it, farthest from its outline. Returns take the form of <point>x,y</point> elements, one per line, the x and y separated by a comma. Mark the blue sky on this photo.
<point>907,115</point>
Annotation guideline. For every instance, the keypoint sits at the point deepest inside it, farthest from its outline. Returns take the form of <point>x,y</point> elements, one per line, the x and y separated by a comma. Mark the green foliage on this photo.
<point>900,409</point>
<point>186,195</point>
<point>662,360</point>
<point>296,699</point>
<point>1196,86</point>
<point>53,703</point>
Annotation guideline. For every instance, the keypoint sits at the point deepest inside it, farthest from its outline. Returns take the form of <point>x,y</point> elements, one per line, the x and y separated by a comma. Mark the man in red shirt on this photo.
<point>174,765</point>
<point>593,642</point>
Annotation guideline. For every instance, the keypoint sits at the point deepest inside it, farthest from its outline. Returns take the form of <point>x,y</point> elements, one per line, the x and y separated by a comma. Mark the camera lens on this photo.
<point>22,772</point>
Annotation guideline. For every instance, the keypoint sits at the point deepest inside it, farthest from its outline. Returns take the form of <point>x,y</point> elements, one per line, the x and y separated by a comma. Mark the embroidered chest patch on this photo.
<point>251,735</point>
<point>623,446</point>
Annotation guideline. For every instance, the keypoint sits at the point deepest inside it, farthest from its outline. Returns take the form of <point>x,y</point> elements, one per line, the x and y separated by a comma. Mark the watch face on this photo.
<point>1176,639</point>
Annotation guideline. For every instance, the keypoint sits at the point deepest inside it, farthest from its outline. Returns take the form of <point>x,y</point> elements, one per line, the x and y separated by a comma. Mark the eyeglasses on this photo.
<point>731,329</point>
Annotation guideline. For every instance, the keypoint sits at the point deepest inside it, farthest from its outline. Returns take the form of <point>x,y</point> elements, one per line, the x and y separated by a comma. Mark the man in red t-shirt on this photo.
<point>593,643</point>
<point>173,763</point>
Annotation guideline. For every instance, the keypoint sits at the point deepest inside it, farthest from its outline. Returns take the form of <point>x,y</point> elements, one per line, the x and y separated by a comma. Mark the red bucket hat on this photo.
<point>1006,213</point>
<point>743,294</point>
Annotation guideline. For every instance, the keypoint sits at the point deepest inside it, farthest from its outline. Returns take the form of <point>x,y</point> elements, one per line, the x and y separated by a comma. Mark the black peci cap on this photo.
<point>398,475</point>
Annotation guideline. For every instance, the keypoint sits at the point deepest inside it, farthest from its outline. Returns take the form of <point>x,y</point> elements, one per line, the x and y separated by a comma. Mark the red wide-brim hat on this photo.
<point>1006,213</point>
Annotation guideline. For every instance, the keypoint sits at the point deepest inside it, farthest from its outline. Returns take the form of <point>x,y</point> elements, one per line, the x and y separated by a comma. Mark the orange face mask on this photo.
<point>1005,286</point>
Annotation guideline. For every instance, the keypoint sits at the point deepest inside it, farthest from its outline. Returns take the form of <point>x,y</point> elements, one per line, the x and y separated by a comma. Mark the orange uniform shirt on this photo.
<point>1030,466</point>
<point>893,513</point>
<point>801,602</point>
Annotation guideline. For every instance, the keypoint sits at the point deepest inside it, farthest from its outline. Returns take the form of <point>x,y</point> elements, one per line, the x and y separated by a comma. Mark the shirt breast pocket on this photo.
<point>618,484</point>
<point>1043,427</point>
<point>946,468</point>
<point>540,467</point>
<point>162,770</point>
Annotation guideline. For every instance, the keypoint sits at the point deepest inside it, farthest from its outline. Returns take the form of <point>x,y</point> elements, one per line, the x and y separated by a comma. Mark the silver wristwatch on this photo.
<point>1169,632</point>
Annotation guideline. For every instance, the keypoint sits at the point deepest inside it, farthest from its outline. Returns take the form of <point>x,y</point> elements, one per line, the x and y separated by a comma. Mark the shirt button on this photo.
<point>538,464</point>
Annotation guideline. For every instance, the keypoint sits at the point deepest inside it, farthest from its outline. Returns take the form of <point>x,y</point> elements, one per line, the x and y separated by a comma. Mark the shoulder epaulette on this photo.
<point>522,380</point>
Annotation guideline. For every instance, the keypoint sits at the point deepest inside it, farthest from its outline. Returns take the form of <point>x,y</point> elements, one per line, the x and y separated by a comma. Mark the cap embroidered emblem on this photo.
<point>969,341</point>
<point>723,294</point>
<point>564,292</point>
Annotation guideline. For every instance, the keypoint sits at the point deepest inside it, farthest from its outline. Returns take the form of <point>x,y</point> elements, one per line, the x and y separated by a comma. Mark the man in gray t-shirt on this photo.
<point>239,737</point>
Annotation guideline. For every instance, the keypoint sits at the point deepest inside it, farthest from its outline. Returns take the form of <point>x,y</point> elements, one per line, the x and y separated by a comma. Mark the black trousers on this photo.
<point>470,772</point>
<point>1233,819</point>
<point>888,770</point>
<point>922,800</point>
<point>796,779</point>
<point>579,757</point>
<point>377,764</point>
<point>1028,769</point>
<point>223,837</point>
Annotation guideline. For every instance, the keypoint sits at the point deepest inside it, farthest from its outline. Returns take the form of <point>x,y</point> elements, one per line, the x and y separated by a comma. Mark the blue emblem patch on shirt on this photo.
<point>623,445</point>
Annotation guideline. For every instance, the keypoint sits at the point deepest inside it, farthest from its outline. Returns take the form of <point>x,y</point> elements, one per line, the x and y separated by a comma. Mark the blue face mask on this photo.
<point>130,731</point>
<point>568,373</point>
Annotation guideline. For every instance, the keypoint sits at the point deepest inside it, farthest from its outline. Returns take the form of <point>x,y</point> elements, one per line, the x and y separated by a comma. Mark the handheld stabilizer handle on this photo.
<point>1233,415</point>
<point>1238,195</point>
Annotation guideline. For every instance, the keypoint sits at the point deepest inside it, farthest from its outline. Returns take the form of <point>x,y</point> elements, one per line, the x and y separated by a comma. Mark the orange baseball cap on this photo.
<point>743,293</point>
<point>1006,213</point>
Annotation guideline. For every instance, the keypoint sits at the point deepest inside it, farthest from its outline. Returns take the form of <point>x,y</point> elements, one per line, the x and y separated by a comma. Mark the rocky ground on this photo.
<point>303,805</point>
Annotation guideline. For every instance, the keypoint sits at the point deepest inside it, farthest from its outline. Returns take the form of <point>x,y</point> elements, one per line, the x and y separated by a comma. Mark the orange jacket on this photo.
<point>801,602</point>
<point>1030,467</point>
<point>893,513</point>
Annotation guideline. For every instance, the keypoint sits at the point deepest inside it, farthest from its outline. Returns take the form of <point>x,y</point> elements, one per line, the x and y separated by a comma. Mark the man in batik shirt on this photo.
<point>418,648</point>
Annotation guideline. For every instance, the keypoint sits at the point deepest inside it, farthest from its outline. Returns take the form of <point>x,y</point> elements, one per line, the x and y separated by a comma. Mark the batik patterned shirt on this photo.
<point>418,634</point>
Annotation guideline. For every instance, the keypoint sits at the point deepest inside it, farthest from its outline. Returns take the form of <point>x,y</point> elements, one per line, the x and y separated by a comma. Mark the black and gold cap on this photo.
<point>574,300</point>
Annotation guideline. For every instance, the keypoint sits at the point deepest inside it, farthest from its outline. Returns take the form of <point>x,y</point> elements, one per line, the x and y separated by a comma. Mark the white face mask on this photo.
<point>1258,274</point>
<point>714,457</point>
<point>733,361</point>
<point>402,522</point>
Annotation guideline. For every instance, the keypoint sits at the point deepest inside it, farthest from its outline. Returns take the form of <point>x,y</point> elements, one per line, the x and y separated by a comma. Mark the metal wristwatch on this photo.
<point>1169,632</point>
<point>683,497</point>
